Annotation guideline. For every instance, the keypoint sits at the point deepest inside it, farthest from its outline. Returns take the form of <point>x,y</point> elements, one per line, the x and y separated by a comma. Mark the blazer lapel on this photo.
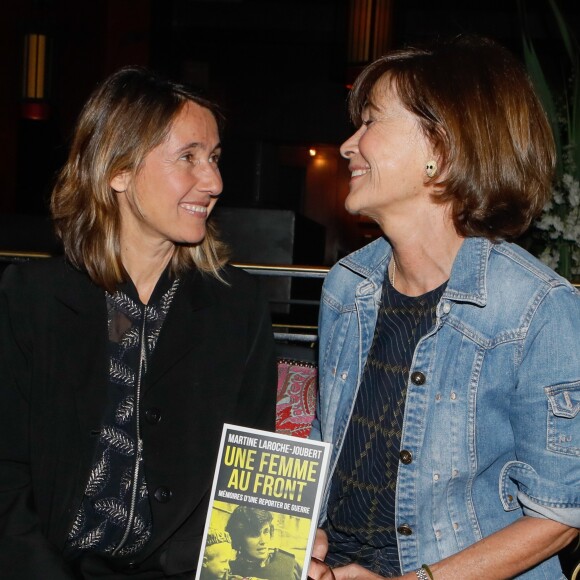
<point>182,330</point>
<point>81,308</point>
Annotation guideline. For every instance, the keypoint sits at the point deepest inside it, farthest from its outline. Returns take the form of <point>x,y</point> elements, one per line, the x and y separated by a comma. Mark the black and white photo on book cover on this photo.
<point>264,506</point>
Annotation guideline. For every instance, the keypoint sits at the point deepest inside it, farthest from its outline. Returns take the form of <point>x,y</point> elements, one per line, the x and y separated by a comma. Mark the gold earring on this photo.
<point>431,168</point>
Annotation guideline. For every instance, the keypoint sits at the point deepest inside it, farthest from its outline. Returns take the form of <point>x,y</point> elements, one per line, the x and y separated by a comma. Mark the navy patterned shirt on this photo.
<point>361,507</point>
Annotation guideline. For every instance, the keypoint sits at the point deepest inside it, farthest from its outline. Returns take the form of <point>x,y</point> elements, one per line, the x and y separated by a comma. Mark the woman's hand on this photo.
<point>320,547</point>
<point>355,572</point>
<point>318,569</point>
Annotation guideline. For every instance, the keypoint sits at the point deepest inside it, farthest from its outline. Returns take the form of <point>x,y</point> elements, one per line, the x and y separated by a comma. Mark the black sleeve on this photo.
<point>25,552</point>
<point>258,394</point>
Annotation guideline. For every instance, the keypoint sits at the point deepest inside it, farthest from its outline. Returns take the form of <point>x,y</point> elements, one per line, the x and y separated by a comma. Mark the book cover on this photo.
<point>264,506</point>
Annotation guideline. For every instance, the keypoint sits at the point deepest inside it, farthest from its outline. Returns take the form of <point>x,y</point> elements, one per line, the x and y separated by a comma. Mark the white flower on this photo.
<point>550,257</point>
<point>559,222</point>
<point>558,197</point>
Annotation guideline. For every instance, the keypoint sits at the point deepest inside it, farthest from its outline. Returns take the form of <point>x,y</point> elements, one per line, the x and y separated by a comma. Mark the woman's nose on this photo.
<point>350,146</point>
<point>217,186</point>
<point>211,182</point>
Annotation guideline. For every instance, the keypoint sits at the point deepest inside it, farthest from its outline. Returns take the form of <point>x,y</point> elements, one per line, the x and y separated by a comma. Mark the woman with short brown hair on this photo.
<point>449,362</point>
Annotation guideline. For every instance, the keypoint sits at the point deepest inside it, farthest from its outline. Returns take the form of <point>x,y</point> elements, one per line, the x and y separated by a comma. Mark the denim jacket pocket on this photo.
<point>563,434</point>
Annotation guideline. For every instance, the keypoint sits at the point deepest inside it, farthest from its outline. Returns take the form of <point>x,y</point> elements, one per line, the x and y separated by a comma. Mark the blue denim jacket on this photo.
<point>492,416</point>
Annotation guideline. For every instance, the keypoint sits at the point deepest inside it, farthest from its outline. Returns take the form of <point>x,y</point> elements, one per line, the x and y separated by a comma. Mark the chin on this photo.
<point>351,209</point>
<point>190,240</point>
<point>350,205</point>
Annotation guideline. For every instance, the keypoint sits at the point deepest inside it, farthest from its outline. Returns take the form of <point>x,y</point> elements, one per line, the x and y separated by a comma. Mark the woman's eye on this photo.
<point>215,158</point>
<point>187,157</point>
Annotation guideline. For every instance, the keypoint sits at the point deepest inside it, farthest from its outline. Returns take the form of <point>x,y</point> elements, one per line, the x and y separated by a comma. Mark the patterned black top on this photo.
<point>361,507</point>
<point>115,516</point>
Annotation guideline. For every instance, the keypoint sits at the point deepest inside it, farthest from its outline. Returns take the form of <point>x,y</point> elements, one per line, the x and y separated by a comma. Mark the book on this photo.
<point>264,506</point>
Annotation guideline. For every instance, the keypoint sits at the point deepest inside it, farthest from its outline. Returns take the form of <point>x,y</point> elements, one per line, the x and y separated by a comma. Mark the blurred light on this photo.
<point>312,152</point>
<point>35,79</point>
<point>369,29</point>
<point>34,66</point>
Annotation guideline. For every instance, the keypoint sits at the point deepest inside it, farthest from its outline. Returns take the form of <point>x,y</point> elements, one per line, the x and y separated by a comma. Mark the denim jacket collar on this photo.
<point>371,263</point>
<point>467,282</point>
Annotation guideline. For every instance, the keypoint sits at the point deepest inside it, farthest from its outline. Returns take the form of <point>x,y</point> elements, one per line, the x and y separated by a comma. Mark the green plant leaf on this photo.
<point>540,83</point>
<point>573,95</point>
<point>574,118</point>
<point>568,39</point>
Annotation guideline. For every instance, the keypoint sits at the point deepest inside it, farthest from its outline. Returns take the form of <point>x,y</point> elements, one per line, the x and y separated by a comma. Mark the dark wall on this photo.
<point>278,68</point>
<point>88,40</point>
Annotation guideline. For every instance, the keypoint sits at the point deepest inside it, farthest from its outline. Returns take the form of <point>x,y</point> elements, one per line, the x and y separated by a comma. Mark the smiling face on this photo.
<point>258,547</point>
<point>176,187</point>
<point>387,157</point>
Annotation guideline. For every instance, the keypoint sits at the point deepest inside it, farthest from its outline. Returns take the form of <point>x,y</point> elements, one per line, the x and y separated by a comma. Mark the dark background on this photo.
<point>279,68</point>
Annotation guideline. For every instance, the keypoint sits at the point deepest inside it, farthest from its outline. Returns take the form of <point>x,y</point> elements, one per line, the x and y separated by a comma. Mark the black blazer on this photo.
<point>213,363</point>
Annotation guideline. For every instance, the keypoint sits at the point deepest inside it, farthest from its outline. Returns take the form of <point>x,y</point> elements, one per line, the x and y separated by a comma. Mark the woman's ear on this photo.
<point>120,182</point>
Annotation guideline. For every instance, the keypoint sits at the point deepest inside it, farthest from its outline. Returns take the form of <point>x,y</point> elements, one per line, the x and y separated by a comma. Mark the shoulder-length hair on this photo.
<point>126,117</point>
<point>476,105</point>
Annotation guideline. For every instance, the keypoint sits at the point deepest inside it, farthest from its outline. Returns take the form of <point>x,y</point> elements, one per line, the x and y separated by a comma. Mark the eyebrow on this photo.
<point>196,145</point>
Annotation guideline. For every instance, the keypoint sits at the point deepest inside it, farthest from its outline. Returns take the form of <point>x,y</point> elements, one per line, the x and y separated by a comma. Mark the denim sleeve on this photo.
<point>545,477</point>
<point>327,318</point>
<point>316,429</point>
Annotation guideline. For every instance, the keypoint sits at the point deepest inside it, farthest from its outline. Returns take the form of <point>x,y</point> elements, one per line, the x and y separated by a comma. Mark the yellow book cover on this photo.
<point>264,506</point>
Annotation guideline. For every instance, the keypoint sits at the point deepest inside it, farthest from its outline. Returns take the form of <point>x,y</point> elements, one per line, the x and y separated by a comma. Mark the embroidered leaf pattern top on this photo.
<point>118,440</point>
<point>121,374</point>
<point>91,538</point>
<point>78,524</point>
<point>99,475</point>
<point>113,508</point>
<point>124,411</point>
<point>115,516</point>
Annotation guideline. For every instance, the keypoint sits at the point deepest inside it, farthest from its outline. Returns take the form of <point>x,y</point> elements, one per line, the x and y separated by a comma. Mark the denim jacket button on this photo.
<point>405,530</point>
<point>446,308</point>
<point>406,456</point>
<point>417,378</point>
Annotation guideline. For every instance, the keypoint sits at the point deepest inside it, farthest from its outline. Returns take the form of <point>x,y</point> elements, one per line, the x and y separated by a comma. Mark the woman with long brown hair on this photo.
<point>120,362</point>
